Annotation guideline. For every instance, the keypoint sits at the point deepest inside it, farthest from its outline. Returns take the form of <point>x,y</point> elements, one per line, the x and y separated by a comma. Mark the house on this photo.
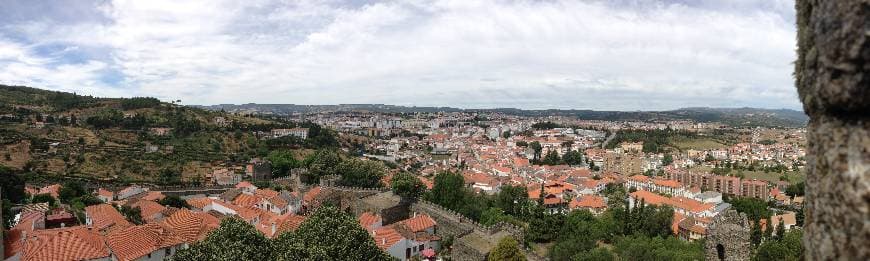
<point>60,218</point>
<point>71,243</point>
<point>105,195</point>
<point>301,133</point>
<point>53,190</point>
<point>191,226</point>
<point>245,186</point>
<point>144,242</point>
<point>408,238</point>
<point>594,204</point>
<point>224,176</point>
<point>151,212</point>
<point>104,218</point>
<point>15,238</point>
<point>153,196</point>
<point>259,169</point>
<point>129,192</point>
<point>682,205</point>
<point>370,221</point>
<point>788,219</point>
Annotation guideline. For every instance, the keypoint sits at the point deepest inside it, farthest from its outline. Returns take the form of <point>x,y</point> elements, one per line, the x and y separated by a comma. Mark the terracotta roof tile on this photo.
<point>149,209</point>
<point>420,222</point>
<point>191,226</point>
<point>72,243</point>
<point>105,217</point>
<point>137,241</point>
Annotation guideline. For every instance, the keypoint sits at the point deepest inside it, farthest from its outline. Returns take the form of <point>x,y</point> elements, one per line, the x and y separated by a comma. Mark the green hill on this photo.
<point>58,134</point>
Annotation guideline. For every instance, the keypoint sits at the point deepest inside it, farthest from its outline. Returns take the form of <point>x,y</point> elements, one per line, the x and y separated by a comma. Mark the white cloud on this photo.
<point>530,54</point>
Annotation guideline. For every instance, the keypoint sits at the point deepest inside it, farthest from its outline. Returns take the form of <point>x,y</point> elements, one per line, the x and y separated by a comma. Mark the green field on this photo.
<point>793,176</point>
<point>697,144</point>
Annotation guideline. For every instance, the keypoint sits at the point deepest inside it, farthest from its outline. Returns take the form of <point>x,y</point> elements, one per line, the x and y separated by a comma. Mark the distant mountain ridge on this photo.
<point>732,116</point>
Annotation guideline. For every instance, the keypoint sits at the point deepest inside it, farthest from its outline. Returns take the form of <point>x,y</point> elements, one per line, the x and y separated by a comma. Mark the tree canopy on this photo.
<point>507,250</point>
<point>407,185</point>
<point>361,173</point>
<point>328,234</point>
<point>234,240</point>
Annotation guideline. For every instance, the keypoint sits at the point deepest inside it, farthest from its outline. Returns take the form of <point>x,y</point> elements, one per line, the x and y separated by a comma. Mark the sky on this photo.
<point>602,55</point>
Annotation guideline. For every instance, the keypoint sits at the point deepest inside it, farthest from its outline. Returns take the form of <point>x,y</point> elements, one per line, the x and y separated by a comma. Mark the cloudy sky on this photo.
<point>606,55</point>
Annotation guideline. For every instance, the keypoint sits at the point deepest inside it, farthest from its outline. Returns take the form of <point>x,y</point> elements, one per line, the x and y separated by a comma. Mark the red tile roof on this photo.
<point>149,209</point>
<point>106,217</point>
<point>590,201</point>
<point>153,196</point>
<point>246,200</point>
<point>420,222</point>
<point>72,243</point>
<point>191,226</point>
<point>137,241</point>
<point>368,219</point>
<point>52,190</point>
<point>385,237</point>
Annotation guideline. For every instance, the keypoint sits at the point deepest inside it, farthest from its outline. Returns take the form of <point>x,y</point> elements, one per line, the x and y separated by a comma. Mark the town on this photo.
<point>116,184</point>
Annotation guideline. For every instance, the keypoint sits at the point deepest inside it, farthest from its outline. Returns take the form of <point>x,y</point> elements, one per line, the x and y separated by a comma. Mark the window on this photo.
<point>407,253</point>
<point>421,248</point>
<point>720,251</point>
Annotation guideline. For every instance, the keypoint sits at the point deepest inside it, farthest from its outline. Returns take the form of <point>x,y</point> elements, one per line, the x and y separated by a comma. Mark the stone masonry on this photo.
<point>728,237</point>
<point>832,75</point>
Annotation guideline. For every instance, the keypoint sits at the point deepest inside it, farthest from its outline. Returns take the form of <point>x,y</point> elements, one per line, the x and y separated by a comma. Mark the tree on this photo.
<point>70,190</point>
<point>448,190</point>
<point>12,185</point>
<point>512,199</point>
<point>573,157</point>
<point>755,209</point>
<point>579,234</point>
<point>407,185</point>
<point>43,198</point>
<point>282,162</point>
<point>506,250</point>
<point>640,247</point>
<point>597,254</point>
<point>492,216</point>
<point>174,201</point>
<point>780,230</point>
<point>133,214</point>
<point>755,234</point>
<point>552,158</point>
<point>328,234</point>
<point>322,163</point>
<point>667,160</point>
<point>536,148</point>
<point>361,173</point>
<point>234,240</point>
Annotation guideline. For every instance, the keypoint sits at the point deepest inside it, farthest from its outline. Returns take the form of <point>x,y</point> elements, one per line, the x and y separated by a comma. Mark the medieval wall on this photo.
<point>833,80</point>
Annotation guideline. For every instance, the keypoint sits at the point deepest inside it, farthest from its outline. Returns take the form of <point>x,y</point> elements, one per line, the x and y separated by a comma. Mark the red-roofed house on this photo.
<point>144,242</point>
<point>594,204</point>
<point>191,226</point>
<point>53,190</point>
<point>104,218</point>
<point>151,212</point>
<point>72,243</point>
<point>105,195</point>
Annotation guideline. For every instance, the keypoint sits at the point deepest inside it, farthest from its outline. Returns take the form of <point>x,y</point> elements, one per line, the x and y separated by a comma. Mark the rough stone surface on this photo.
<point>833,80</point>
<point>728,237</point>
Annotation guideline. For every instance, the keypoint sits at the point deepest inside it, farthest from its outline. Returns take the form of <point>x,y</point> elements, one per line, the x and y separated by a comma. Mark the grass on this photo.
<point>542,249</point>
<point>697,144</point>
<point>793,176</point>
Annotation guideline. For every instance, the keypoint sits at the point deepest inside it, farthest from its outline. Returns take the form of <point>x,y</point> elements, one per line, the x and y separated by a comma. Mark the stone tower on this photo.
<point>728,237</point>
<point>832,75</point>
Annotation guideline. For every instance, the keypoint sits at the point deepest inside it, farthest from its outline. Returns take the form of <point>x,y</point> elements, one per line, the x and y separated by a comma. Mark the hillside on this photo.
<point>139,139</point>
